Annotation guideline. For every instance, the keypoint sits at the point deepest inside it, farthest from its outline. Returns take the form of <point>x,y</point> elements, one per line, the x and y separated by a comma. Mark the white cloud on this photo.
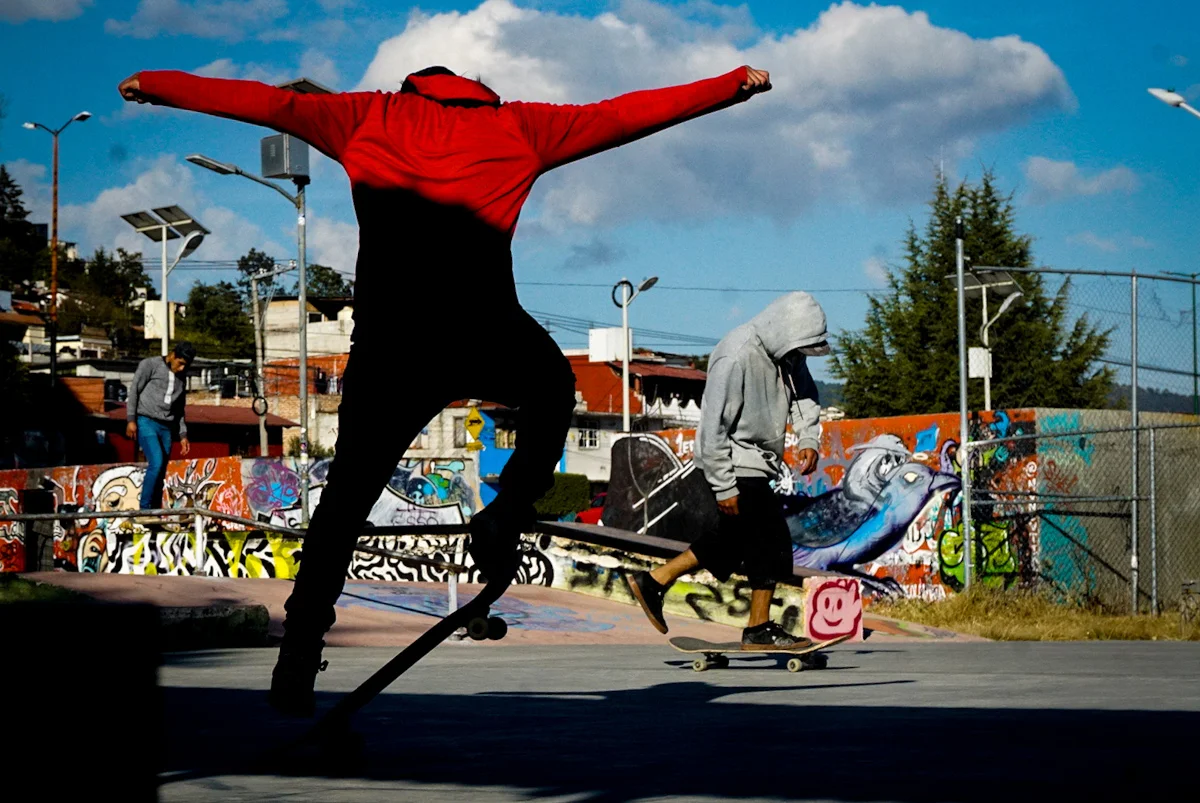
<point>862,98</point>
<point>1052,180</point>
<point>332,242</point>
<point>1179,61</point>
<point>320,68</point>
<point>1090,238</point>
<point>52,10</point>
<point>97,223</point>
<point>875,269</point>
<point>230,20</point>
<point>1140,242</point>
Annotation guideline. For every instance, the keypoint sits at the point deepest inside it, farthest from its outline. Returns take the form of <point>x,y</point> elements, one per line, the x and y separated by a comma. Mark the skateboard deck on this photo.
<point>332,731</point>
<point>715,654</point>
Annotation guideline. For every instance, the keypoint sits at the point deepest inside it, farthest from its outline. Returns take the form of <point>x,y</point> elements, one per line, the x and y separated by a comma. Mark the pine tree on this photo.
<point>21,250</point>
<point>905,360</point>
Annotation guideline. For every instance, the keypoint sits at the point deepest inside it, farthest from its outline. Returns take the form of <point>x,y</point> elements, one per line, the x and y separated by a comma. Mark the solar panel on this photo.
<point>150,226</point>
<point>180,220</point>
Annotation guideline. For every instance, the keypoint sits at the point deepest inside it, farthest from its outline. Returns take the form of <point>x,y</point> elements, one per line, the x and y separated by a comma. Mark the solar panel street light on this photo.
<point>976,284</point>
<point>171,223</point>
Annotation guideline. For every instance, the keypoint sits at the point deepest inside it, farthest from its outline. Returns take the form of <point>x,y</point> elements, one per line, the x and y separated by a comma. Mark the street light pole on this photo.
<point>628,294</point>
<point>301,228</point>
<point>54,132</point>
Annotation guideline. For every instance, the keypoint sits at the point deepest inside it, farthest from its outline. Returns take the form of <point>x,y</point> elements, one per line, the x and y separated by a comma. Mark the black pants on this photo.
<point>397,379</point>
<point>755,542</point>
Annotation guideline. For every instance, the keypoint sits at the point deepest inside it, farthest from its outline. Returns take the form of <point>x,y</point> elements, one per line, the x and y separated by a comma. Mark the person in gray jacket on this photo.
<point>155,412</point>
<point>758,378</point>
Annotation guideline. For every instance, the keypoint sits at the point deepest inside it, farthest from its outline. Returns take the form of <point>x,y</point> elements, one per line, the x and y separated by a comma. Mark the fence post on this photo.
<point>1133,404</point>
<point>965,450</point>
<point>199,546</point>
<point>1153,532</point>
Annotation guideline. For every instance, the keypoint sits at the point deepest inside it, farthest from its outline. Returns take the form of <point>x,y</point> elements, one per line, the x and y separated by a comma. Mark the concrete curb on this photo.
<point>214,627</point>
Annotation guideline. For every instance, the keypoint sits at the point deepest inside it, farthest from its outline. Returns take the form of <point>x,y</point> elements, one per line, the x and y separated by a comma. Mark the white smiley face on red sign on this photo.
<point>835,609</point>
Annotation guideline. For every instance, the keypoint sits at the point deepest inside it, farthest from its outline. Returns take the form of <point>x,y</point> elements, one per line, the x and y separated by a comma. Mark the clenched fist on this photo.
<point>131,89</point>
<point>757,81</point>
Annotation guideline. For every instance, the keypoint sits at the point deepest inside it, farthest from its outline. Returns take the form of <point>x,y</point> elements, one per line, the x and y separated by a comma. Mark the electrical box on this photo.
<point>979,363</point>
<point>284,156</point>
<point>606,345</point>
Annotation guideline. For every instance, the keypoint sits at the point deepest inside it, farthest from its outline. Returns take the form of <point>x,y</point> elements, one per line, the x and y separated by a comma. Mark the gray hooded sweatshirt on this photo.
<point>752,391</point>
<point>157,393</point>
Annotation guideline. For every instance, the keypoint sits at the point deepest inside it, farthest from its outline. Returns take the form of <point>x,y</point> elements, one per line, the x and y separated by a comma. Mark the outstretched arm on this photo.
<point>562,134</point>
<point>324,121</point>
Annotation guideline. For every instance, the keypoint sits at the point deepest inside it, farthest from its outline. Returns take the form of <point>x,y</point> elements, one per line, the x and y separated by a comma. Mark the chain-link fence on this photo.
<point>1162,337</point>
<point>1094,513</point>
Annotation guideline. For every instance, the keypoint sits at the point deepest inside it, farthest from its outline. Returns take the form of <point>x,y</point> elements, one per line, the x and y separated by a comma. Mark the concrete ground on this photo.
<point>381,614</point>
<point>904,721</point>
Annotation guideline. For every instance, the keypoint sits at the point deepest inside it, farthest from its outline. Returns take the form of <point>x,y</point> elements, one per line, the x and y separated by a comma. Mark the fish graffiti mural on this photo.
<point>882,505</point>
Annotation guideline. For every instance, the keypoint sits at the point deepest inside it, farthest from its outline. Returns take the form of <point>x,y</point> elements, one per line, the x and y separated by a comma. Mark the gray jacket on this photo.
<point>751,393</point>
<point>157,393</point>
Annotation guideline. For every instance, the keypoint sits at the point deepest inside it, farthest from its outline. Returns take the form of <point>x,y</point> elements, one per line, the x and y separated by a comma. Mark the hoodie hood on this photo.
<point>451,89</point>
<point>790,322</point>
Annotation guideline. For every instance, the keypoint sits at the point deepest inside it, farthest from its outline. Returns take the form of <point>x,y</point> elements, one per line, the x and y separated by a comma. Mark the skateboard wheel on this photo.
<point>699,665</point>
<point>818,661</point>
<point>497,628</point>
<point>477,628</point>
<point>795,665</point>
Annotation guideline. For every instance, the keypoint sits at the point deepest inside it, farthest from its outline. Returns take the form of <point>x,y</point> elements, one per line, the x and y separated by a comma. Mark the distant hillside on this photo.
<point>1151,400</point>
<point>832,393</point>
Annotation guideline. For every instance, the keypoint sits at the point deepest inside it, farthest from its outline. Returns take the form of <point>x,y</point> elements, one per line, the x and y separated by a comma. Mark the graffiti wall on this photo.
<point>882,504</point>
<point>420,492</point>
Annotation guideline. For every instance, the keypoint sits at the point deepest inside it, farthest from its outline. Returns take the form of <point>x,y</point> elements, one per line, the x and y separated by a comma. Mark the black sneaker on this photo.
<point>293,680</point>
<point>495,537</point>
<point>770,636</point>
<point>649,594</point>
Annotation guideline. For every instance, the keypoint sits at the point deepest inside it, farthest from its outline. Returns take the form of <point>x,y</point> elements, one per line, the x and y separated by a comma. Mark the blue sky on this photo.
<point>810,186</point>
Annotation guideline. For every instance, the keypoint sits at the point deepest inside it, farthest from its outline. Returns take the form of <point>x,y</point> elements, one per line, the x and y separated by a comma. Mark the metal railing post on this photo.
<point>1153,532</point>
<point>1133,396</point>
<point>199,545</point>
<point>965,450</point>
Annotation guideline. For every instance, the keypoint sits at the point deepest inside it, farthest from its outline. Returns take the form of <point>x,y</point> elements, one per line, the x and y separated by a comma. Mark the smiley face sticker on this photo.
<point>833,608</point>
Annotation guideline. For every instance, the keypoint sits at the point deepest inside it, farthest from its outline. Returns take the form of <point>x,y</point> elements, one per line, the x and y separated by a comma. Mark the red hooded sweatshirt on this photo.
<point>419,166</point>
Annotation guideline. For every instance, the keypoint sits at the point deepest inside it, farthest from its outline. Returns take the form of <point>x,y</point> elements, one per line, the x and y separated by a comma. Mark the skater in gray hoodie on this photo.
<point>758,378</point>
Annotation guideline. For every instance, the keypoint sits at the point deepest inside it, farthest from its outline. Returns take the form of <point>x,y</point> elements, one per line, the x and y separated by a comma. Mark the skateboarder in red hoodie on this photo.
<point>438,172</point>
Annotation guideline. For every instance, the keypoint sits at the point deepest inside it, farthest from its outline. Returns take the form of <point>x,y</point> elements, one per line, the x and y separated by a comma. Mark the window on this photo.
<point>506,438</point>
<point>589,439</point>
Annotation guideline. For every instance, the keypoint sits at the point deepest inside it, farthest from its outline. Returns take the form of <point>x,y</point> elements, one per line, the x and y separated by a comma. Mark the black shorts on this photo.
<point>755,542</point>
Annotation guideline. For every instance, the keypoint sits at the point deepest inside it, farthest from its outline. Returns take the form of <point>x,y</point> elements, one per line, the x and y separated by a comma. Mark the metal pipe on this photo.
<point>166,322</point>
<point>258,363</point>
<point>1153,532</point>
<point>987,371</point>
<point>200,545</point>
<point>1133,395</point>
<point>626,355</point>
<point>54,272</point>
<point>963,427</point>
<point>302,293</point>
<point>1161,277</point>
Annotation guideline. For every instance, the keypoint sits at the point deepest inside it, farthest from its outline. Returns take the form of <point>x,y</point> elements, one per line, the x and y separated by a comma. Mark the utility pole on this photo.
<point>258,363</point>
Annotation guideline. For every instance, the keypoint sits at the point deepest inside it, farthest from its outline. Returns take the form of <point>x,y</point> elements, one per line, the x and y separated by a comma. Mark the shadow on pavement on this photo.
<point>693,738</point>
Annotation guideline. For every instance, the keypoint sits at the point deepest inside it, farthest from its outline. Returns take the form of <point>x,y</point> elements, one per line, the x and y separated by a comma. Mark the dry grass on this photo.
<point>18,589</point>
<point>1030,616</point>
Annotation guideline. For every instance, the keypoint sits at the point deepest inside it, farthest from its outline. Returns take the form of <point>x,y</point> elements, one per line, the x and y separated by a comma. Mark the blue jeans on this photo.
<point>155,439</point>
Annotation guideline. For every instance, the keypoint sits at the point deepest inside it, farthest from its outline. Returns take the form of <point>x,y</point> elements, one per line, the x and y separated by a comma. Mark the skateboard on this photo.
<point>332,734</point>
<point>715,654</point>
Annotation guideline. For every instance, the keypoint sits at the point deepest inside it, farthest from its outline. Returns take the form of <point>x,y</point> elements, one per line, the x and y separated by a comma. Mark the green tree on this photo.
<point>905,360</point>
<point>22,252</point>
<point>325,282</point>
<point>101,292</point>
<point>217,322</point>
<point>253,263</point>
